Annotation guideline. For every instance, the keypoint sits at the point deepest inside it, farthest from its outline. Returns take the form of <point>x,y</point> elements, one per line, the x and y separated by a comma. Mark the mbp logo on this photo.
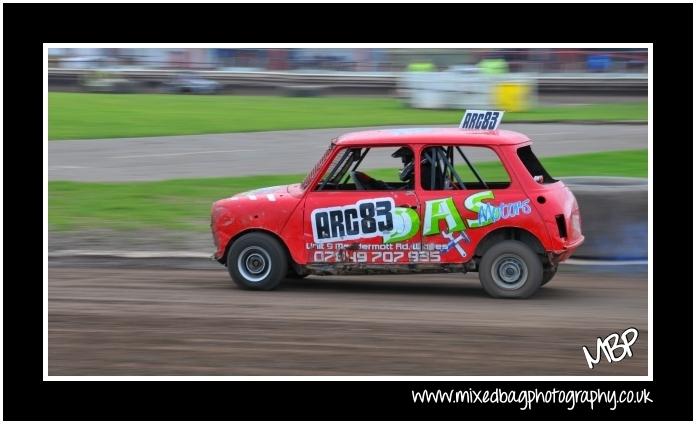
<point>610,344</point>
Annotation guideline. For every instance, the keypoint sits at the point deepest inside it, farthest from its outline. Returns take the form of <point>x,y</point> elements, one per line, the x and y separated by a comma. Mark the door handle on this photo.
<point>409,206</point>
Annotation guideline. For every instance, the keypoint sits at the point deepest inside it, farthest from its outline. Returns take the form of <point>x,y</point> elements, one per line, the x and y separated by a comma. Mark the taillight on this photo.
<point>575,223</point>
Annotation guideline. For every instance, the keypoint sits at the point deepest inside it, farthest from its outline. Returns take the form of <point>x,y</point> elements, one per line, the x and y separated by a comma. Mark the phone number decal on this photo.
<point>386,257</point>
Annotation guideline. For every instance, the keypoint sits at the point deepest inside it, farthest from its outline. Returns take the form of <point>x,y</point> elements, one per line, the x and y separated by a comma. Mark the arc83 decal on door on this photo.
<point>366,218</point>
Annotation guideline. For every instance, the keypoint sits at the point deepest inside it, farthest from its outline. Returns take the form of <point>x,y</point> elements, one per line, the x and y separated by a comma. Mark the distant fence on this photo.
<point>358,82</point>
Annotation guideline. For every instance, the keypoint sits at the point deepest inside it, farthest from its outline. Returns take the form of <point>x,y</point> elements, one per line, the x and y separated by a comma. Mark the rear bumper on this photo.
<point>561,255</point>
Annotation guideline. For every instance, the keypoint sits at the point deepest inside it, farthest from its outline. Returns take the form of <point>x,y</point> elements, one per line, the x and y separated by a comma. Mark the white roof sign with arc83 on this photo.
<point>481,119</point>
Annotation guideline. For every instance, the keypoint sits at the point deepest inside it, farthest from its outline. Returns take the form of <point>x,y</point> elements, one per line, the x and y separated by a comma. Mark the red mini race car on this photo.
<point>454,200</point>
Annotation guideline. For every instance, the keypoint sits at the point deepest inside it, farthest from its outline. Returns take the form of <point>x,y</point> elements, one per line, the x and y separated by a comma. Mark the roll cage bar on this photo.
<point>439,158</point>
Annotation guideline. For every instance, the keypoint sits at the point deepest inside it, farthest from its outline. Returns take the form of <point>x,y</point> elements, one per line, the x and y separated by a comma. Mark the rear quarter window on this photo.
<point>534,166</point>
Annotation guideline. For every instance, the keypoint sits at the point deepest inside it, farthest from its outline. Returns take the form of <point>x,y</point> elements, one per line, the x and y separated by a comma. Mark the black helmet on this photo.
<point>404,153</point>
<point>406,156</point>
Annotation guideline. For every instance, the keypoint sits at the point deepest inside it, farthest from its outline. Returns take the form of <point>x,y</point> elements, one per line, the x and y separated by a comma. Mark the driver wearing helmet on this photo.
<point>406,173</point>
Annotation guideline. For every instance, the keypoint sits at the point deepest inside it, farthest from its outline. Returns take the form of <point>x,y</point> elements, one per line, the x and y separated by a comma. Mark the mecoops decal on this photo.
<point>488,214</point>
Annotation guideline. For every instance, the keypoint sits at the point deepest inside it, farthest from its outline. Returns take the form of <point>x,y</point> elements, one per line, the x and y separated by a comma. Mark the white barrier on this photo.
<point>455,90</point>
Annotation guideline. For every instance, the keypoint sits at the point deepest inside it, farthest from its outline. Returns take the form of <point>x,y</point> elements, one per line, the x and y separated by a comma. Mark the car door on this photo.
<point>347,225</point>
<point>459,208</point>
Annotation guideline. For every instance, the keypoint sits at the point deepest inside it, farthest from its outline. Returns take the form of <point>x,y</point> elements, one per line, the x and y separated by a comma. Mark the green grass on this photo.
<point>185,204</point>
<point>629,163</point>
<point>85,115</point>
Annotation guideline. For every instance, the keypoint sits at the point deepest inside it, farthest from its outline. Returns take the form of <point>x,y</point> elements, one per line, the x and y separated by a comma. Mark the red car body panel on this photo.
<point>293,214</point>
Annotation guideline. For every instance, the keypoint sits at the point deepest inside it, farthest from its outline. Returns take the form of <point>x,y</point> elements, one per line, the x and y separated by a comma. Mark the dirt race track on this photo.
<point>132,321</point>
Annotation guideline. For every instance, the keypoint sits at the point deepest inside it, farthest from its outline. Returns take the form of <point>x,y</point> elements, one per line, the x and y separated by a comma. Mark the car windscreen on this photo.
<point>342,162</point>
<point>313,173</point>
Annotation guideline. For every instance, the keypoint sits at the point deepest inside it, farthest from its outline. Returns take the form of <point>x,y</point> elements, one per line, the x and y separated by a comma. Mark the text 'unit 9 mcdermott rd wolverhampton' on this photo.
<point>473,198</point>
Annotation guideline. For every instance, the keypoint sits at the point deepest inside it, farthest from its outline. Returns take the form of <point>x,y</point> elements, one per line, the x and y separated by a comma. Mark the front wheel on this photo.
<point>510,269</point>
<point>257,261</point>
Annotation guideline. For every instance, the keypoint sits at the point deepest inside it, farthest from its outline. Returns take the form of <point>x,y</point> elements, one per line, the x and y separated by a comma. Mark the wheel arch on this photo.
<point>223,260</point>
<point>509,233</point>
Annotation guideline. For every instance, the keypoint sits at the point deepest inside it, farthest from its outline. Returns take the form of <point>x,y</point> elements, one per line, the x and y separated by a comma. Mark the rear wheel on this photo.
<point>257,261</point>
<point>549,273</point>
<point>510,269</point>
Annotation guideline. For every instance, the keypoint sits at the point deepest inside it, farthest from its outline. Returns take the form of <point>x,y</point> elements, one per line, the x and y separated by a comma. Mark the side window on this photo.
<point>462,168</point>
<point>534,167</point>
<point>371,169</point>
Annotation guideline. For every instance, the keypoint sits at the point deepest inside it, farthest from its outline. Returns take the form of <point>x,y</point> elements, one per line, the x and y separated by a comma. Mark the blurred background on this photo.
<point>350,59</point>
<point>341,71</point>
<point>142,141</point>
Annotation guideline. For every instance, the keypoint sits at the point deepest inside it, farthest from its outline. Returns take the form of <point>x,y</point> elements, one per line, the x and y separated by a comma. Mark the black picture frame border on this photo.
<point>27,26</point>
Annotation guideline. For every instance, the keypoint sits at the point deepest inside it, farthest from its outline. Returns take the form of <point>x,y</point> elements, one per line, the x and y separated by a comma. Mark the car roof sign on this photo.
<point>481,119</point>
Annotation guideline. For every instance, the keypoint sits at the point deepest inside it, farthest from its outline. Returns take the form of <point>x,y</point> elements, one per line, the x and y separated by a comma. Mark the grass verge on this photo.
<point>89,115</point>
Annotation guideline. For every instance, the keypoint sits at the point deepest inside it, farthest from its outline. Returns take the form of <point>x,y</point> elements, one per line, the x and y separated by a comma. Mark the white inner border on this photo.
<point>648,377</point>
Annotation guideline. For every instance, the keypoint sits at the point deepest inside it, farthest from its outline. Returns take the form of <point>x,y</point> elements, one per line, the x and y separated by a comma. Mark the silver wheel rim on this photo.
<point>509,271</point>
<point>254,263</point>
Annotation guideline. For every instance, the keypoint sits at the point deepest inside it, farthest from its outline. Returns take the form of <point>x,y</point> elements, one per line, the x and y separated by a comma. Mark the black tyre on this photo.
<point>257,261</point>
<point>548,274</point>
<point>510,269</point>
<point>292,275</point>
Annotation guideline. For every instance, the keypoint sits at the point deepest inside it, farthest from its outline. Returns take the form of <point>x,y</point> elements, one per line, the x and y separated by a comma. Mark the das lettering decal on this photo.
<point>406,225</point>
<point>437,210</point>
